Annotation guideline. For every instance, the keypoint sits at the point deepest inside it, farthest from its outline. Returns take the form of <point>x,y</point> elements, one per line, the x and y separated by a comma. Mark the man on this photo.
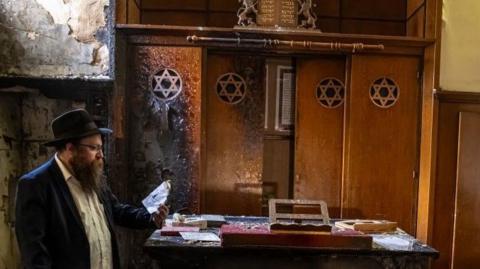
<point>65,212</point>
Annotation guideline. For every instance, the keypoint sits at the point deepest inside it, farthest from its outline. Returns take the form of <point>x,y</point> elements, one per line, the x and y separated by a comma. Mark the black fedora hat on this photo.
<point>74,124</point>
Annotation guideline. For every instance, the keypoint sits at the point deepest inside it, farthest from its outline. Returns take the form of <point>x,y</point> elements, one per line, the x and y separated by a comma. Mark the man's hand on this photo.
<point>160,215</point>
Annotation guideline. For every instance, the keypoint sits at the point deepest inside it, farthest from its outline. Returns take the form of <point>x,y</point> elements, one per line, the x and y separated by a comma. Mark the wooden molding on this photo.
<point>171,30</point>
<point>458,97</point>
<point>428,144</point>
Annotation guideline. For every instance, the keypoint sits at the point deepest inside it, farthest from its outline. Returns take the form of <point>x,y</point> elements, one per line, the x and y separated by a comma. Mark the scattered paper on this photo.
<point>157,197</point>
<point>194,236</point>
<point>214,220</point>
<point>392,242</point>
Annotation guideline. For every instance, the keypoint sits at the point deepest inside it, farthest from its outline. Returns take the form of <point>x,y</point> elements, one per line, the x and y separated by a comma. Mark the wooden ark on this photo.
<point>349,116</point>
<point>321,117</point>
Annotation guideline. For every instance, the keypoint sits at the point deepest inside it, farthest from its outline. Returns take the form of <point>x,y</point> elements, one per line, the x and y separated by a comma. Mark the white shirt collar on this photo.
<point>65,172</point>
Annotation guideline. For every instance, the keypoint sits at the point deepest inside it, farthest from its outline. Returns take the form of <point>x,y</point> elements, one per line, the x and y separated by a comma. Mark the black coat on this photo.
<point>49,230</point>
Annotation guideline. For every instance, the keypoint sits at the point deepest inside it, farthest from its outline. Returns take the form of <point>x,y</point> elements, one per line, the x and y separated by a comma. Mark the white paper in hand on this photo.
<point>157,197</point>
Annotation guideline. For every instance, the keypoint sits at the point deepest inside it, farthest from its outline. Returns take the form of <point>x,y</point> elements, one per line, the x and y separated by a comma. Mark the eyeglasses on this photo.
<point>96,148</point>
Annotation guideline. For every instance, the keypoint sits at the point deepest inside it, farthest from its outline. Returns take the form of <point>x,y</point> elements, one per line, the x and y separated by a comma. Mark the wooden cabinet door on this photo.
<point>381,141</point>
<point>232,178</point>
<point>466,228</point>
<point>162,106</point>
<point>319,130</point>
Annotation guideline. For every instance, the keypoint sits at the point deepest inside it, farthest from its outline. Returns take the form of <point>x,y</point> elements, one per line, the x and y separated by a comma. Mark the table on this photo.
<point>174,252</point>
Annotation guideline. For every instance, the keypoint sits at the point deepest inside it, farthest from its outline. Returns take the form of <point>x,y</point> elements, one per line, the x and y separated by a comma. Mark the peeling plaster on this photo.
<point>55,38</point>
<point>100,57</point>
<point>86,18</point>
<point>59,11</point>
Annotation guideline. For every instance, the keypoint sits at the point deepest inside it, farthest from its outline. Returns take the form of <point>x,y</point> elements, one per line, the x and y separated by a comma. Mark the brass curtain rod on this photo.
<point>334,46</point>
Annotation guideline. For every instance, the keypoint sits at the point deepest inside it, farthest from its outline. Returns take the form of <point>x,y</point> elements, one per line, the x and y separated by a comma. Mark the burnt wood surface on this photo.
<point>174,252</point>
<point>145,47</point>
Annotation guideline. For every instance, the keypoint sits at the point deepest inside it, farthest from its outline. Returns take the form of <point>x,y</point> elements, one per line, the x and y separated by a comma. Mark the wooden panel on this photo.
<point>277,165</point>
<point>466,234</point>
<point>174,18</point>
<point>133,12</point>
<point>412,6</point>
<point>433,25</point>
<point>416,23</point>
<point>328,25</point>
<point>374,9</point>
<point>431,61</point>
<point>319,135</point>
<point>174,5</point>
<point>444,206</point>
<point>222,19</point>
<point>445,183</point>
<point>381,143</point>
<point>121,10</point>
<point>224,5</point>
<point>372,27</point>
<point>329,8</point>
<point>234,140</point>
<point>164,138</point>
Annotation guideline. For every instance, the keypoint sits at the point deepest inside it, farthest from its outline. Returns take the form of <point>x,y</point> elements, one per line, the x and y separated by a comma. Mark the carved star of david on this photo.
<point>376,94</point>
<point>224,88</point>
<point>322,93</point>
<point>167,84</point>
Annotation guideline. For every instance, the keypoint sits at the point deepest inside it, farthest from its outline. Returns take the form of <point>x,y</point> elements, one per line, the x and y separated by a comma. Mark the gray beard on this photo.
<point>90,175</point>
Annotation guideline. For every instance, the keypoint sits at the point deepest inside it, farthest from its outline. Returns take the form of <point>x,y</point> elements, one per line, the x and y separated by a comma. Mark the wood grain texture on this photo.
<point>372,27</point>
<point>174,17</point>
<point>133,12</point>
<point>174,5</point>
<point>328,25</point>
<point>466,232</point>
<point>319,135</point>
<point>445,182</point>
<point>329,8</point>
<point>416,23</point>
<point>334,16</point>
<point>234,140</point>
<point>222,5</point>
<point>433,18</point>
<point>428,147</point>
<point>121,10</point>
<point>222,19</point>
<point>412,6</point>
<point>374,9</point>
<point>277,164</point>
<point>382,144</point>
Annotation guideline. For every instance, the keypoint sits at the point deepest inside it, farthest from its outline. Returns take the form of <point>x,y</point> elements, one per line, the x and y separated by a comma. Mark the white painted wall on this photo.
<point>460,48</point>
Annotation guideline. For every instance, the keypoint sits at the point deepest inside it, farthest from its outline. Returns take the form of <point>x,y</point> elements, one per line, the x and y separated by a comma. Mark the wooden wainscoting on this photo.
<point>456,226</point>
